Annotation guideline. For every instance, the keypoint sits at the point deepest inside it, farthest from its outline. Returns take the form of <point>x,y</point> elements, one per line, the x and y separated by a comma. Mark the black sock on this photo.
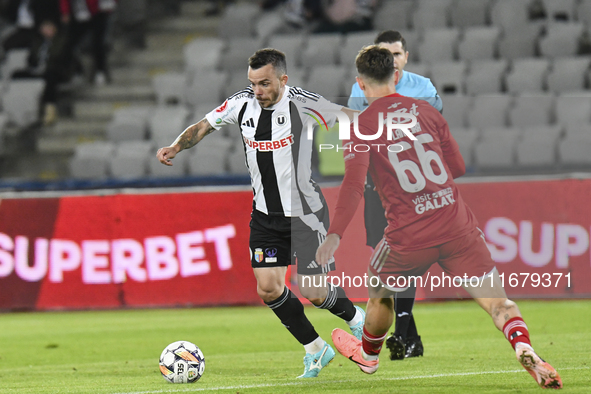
<point>403,306</point>
<point>338,304</point>
<point>291,313</point>
<point>411,332</point>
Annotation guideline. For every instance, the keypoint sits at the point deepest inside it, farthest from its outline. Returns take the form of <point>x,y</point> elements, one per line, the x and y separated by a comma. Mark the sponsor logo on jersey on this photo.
<point>222,107</point>
<point>258,255</point>
<point>266,146</point>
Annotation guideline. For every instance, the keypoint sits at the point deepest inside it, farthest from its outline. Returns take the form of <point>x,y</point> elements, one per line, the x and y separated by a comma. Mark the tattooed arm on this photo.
<point>188,138</point>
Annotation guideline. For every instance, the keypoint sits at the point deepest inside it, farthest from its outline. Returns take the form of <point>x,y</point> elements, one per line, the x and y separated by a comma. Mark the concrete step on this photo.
<point>62,145</point>
<point>163,59</point>
<point>37,166</point>
<point>131,76</point>
<point>186,24</point>
<point>118,93</point>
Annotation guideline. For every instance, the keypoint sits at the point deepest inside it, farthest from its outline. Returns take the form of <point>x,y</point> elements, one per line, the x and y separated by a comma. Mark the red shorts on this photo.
<point>464,256</point>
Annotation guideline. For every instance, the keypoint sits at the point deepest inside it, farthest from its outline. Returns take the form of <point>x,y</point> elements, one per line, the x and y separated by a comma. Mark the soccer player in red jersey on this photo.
<point>413,167</point>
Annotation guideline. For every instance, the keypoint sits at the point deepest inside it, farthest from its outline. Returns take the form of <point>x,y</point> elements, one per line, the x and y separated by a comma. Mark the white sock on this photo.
<point>315,346</point>
<point>358,318</point>
<point>368,357</point>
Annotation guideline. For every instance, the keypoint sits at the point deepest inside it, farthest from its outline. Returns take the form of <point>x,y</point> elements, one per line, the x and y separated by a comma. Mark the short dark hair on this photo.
<point>390,37</point>
<point>375,63</point>
<point>265,56</point>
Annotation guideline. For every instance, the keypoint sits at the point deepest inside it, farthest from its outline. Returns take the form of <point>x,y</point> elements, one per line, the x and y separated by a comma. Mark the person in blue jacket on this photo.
<point>405,340</point>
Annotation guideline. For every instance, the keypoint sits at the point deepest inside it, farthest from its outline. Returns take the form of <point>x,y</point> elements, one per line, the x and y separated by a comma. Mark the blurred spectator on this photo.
<point>27,16</point>
<point>346,15</point>
<point>329,16</point>
<point>89,17</point>
<point>46,60</point>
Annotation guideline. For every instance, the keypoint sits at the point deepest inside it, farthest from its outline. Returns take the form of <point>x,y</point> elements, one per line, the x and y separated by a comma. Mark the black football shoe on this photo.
<point>396,346</point>
<point>414,347</point>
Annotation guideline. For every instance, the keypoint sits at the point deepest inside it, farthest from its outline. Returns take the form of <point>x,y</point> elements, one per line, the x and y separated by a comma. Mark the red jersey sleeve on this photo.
<point>451,151</point>
<point>351,191</point>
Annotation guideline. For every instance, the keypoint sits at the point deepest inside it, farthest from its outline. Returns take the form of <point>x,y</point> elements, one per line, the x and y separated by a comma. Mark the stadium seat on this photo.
<point>298,77</point>
<point>486,76</point>
<point>394,15</point>
<point>239,20</point>
<point>583,11</point>
<point>431,14</point>
<point>269,23</point>
<point>322,49</point>
<point>536,151</point>
<point>169,88</point>
<point>496,149</point>
<point>21,101</point>
<point>479,43</point>
<point>527,75</point>
<point>561,39</point>
<point>131,159</point>
<point>578,129</point>
<point>238,51</point>
<point>466,139</point>
<point>568,74</point>
<point>574,151</point>
<point>448,77</point>
<point>510,14</point>
<point>354,42</point>
<point>291,45</point>
<point>466,13</point>
<point>167,123</point>
<point>489,111</point>
<point>90,160</point>
<point>422,69</point>
<point>438,45</point>
<point>128,124</point>
<point>519,42</point>
<point>328,82</point>
<point>206,87</point>
<point>209,157</point>
<point>203,53</point>
<point>532,110</point>
<point>563,10</point>
<point>238,81</point>
<point>15,59</point>
<point>237,160</point>
<point>573,108</point>
<point>455,110</point>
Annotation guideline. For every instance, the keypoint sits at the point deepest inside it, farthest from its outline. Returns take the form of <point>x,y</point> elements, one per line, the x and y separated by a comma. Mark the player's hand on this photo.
<point>327,248</point>
<point>166,154</point>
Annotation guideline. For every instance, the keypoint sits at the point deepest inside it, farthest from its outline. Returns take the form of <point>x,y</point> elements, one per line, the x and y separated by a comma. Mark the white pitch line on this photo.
<point>315,382</point>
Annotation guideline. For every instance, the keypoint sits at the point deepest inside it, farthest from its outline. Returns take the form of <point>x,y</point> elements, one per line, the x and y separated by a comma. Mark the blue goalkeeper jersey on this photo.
<point>410,85</point>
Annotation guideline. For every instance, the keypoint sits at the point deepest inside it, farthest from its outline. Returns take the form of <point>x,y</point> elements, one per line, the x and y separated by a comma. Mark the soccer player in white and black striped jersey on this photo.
<point>289,217</point>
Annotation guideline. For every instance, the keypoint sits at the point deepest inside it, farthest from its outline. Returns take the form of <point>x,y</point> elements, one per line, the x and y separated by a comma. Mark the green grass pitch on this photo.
<point>248,351</point>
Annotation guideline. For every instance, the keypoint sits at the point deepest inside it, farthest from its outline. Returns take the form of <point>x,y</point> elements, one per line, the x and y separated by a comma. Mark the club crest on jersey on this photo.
<point>258,255</point>
<point>222,107</point>
<point>280,119</point>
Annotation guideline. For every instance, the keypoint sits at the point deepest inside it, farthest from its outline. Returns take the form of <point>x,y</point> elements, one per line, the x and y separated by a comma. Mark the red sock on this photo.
<point>515,331</point>
<point>371,343</point>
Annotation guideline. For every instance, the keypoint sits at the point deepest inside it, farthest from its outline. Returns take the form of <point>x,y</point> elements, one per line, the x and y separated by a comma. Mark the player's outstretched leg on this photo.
<point>507,318</point>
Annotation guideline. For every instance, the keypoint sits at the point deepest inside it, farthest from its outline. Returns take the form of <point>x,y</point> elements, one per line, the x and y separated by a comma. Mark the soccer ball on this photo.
<point>182,362</point>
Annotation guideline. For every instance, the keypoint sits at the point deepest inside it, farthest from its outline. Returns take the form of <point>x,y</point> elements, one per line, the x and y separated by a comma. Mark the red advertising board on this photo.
<point>126,250</point>
<point>191,248</point>
<point>538,233</point>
